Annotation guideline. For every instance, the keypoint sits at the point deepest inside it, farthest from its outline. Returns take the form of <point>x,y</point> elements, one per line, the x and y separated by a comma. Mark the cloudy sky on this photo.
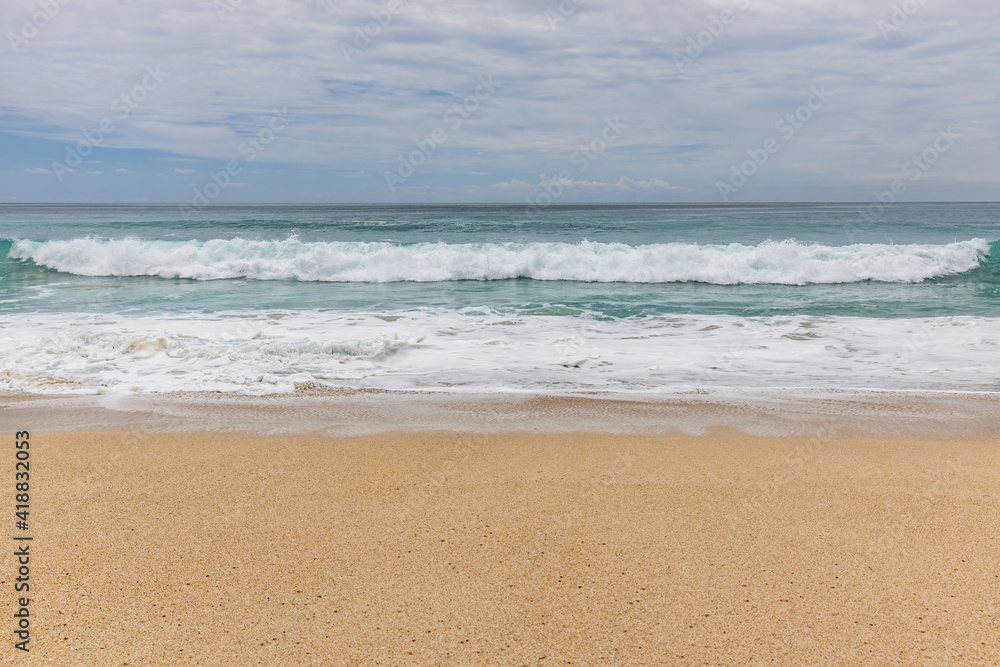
<point>462,100</point>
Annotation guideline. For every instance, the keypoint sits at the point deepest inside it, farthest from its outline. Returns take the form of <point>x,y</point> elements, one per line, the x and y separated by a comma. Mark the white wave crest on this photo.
<point>782,263</point>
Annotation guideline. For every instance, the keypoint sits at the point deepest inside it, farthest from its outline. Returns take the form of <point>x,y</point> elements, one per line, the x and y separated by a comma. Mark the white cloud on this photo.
<point>622,184</point>
<point>185,171</point>
<point>38,170</point>
<point>626,183</point>
<point>224,78</point>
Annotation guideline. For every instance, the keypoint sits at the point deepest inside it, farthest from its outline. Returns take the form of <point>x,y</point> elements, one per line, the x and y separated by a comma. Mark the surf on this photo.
<point>785,262</point>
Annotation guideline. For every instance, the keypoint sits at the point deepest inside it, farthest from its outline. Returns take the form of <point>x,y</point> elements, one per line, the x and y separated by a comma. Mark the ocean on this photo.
<point>643,300</point>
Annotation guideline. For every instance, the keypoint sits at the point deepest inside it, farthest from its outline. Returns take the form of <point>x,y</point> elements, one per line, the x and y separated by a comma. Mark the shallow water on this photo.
<point>637,299</point>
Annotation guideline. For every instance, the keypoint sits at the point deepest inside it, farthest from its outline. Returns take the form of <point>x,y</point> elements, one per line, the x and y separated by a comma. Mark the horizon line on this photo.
<point>507,204</point>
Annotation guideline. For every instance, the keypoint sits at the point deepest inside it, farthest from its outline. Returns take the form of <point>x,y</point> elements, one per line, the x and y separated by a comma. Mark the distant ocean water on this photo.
<point>637,299</point>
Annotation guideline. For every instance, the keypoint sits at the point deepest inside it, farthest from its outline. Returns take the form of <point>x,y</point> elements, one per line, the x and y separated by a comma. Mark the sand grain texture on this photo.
<point>201,549</point>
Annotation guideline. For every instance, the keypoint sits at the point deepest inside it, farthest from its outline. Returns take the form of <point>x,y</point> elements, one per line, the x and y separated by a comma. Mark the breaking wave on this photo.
<point>774,262</point>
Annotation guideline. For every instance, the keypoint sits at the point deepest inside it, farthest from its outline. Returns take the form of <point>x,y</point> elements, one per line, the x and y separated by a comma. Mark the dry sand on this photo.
<point>202,549</point>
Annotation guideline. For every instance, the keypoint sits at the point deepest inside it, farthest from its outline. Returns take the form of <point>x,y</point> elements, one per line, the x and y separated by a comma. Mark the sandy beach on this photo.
<point>497,334</point>
<point>516,549</point>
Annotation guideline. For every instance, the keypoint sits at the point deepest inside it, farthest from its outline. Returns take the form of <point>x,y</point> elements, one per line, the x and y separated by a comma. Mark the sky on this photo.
<point>539,101</point>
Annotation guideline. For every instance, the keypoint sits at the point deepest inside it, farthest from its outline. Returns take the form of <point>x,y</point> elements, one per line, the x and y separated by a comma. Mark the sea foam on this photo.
<point>444,350</point>
<point>774,262</point>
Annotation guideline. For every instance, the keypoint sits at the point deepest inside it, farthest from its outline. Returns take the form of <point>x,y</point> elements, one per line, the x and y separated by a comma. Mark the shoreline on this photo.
<point>348,413</point>
<point>572,548</point>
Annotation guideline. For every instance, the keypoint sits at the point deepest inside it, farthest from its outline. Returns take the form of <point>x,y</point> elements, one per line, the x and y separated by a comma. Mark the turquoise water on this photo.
<point>627,299</point>
<point>28,284</point>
